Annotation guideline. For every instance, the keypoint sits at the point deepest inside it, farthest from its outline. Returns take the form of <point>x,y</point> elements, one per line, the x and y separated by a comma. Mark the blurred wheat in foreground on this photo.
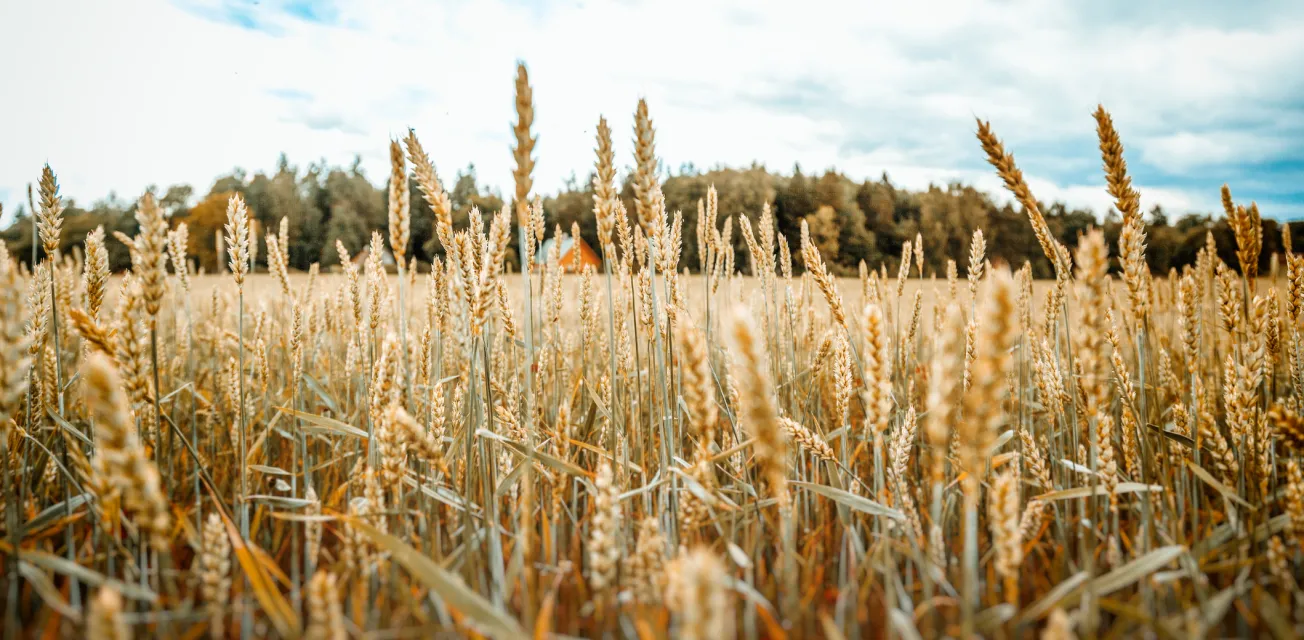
<point>634,452</point>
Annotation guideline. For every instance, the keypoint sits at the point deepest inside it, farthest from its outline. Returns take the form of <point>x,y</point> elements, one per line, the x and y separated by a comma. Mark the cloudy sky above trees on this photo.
<point>120,95</point>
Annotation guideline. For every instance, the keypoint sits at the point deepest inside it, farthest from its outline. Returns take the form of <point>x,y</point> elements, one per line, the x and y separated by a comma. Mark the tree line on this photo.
<point>852,221</point>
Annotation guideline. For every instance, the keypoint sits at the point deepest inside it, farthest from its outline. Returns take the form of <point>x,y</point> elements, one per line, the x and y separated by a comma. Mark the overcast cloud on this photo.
<point>120,95</point>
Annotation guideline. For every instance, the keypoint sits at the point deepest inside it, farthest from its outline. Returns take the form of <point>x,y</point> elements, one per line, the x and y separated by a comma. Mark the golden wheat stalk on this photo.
<point>697,591</point>
<point>49,217</point>
<point>400,218</point>
<point>604,187</point>
<point>524,144</point>
<point>119,456</point>
<point>95,275</point>
<point>104,620</point>
<point>215,573</point>
<point>758,413</point>
<point>151,246</point>
<point>431,189</point>
<point>1013,178</point>
<point>1132,237</point>
<point>237,238</point>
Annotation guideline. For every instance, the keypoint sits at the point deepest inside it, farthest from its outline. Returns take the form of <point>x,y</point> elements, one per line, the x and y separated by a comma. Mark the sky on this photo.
<point>116,96</point>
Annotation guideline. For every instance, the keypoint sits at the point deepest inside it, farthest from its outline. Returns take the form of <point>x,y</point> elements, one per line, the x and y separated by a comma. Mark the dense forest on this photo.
<point>851,221</point>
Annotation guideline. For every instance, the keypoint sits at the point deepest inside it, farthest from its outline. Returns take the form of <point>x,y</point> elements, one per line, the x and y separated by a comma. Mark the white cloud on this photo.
<point>117,96</point>
<point>1185,150</point>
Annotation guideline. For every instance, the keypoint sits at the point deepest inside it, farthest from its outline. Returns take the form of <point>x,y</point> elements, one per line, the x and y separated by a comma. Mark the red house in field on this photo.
<point>575,253</point>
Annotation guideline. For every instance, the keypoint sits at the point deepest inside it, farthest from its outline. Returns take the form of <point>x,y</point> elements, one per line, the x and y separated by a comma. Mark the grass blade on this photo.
<point>449,587</point>
<point>853,501</point>
<point>324,424</point>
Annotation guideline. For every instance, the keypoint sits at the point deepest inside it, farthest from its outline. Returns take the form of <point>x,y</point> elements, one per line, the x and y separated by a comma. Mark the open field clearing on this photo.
<point>263,288</point>
<point>760,451</point>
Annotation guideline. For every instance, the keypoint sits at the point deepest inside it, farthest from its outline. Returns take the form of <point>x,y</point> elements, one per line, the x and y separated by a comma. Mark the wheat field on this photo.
<point>760,450</point>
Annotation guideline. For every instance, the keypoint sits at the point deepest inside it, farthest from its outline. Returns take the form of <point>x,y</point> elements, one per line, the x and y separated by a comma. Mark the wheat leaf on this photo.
<point>448,586</point>
<point>324,424</point>
<point>853,501</point>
